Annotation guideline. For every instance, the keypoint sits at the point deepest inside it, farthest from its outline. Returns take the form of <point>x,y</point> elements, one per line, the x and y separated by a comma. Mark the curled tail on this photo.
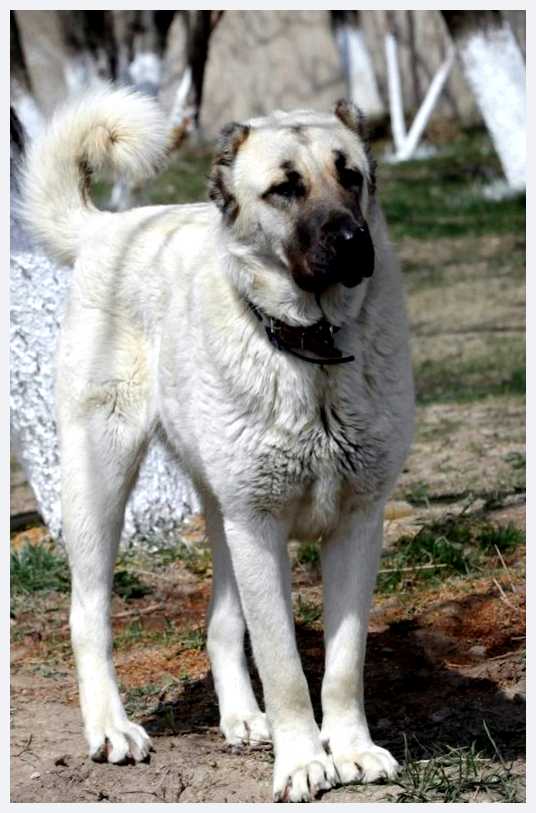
<point>117,129</point>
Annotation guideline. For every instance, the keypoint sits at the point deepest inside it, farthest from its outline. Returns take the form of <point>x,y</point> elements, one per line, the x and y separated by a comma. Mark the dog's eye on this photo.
<point>350,178</point>
<point>290,189</point>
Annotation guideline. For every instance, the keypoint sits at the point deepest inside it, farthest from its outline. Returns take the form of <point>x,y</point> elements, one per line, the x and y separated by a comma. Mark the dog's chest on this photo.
<point>333,462</point>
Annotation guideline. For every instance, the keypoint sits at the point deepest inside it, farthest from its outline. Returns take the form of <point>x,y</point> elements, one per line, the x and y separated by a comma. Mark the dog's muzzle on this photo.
<point>341,251</point>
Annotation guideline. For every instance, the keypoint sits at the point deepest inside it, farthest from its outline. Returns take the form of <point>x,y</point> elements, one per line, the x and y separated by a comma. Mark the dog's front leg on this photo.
<point>241,720</point>
<point>261,565</point>
<point>349,566</point>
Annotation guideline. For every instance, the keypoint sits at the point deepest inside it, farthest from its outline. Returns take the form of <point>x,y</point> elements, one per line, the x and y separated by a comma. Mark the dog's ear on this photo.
<point>220,184</point>
<point>353,118</point>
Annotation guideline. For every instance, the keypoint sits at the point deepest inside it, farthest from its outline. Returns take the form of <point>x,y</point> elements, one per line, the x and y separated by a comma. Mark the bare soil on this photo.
<point>439,663</point>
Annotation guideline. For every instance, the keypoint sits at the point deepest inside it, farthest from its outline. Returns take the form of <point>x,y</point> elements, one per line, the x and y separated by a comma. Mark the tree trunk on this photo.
<point>22,96</point>
<point>361,84</point>
<point>141,38</point>
<point>414,60</point>
<point>494,69</point>
<point>198,29</point>
<point>90,47</point>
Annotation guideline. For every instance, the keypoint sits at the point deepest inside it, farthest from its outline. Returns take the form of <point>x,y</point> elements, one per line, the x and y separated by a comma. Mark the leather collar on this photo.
<point>314,343</point>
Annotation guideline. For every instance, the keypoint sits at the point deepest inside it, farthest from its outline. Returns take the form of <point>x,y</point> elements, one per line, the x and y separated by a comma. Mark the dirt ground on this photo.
<point>445,672</point>
<point>438,665</point>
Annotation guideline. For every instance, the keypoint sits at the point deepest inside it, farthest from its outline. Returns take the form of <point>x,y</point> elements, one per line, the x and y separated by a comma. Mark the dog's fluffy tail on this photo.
<point>117,129</point>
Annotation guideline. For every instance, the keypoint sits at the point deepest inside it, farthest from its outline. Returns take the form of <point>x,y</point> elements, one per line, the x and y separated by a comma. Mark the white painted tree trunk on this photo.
<point>145,72</point>
<point>494,68</point>
<point>396,104</point>
<point>406,142</point>
<point>359,69</point>
<point>181,108</point>
<point>80,73</point>
<point>426,109</point>
<point>27,110</point>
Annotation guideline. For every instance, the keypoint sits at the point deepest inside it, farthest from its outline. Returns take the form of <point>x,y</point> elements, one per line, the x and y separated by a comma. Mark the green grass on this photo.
<point>35,567</point>
<point>197,559</point>
<point>128,585</point>
<point>195,639</point>
<point>501,371</point>
<point>452,546</point>
<point>308,554</point>
<point>307,612</point>
<point>184,180</point>
<point>442,195</point>
<point>138,698</point>
<point>136,633</point>
<point>419,494</point>
<point>458,775</point>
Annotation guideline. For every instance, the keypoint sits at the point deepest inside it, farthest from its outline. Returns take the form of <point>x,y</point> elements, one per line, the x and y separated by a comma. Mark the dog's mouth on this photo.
<point>340,252</point>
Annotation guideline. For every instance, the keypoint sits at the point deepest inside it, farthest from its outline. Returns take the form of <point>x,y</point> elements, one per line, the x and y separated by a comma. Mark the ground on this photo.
<point>445,668</point>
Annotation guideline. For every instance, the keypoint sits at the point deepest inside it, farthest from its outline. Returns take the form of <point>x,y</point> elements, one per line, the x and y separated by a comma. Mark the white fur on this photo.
<point>121,131</point>
<point>156,332</point>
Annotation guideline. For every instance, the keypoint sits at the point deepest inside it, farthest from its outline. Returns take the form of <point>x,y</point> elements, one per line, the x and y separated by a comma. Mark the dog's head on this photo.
<point>297,187</point>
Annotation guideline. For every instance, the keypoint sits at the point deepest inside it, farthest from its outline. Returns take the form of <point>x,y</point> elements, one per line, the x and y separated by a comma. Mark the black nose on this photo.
<point>352,247</point>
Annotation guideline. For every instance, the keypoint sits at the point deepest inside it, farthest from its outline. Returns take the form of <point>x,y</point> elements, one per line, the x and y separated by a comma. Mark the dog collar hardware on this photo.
<point>314,343</point>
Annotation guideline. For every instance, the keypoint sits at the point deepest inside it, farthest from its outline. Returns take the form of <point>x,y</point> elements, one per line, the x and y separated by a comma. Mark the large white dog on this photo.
<point>265,332</point>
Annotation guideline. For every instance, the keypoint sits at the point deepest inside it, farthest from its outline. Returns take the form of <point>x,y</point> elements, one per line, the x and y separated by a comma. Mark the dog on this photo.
<point>265,333</point>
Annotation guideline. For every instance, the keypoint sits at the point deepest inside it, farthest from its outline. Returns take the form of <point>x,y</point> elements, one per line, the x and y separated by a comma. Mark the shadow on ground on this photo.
<point>411,696</point>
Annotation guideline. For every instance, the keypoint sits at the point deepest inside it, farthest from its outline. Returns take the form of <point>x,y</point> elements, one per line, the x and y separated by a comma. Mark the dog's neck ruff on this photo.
<point>314,343</point>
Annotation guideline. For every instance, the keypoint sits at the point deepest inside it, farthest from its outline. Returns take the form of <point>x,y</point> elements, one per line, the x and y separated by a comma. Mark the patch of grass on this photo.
<point>306,612</point>
<point>197,559</point>
<point>127,585</point>
<point>35,567</point>
<point>308,554</point>
<point>500,372</point>
<point>140,697</point>
<point>442,195</point>
<point>459,775</point>
<point>418,494</point>
<point>136,633</point>
<point>131,633</point>
<point>184,180</point>
<point>448,547</point>
<point>503,537</point>
<point>195,639</point>
<point>517,460</point>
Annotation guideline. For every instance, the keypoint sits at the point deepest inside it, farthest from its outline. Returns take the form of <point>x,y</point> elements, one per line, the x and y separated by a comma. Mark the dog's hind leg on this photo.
<point>349,566</point>
<point>241,720</point>
<point>103,426</point>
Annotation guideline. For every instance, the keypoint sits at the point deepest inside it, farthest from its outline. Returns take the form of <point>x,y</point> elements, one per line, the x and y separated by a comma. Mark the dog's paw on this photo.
<point>301,777</point>
<point>119,742</point>
<point>364,764</point>
<point>246,729</point>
